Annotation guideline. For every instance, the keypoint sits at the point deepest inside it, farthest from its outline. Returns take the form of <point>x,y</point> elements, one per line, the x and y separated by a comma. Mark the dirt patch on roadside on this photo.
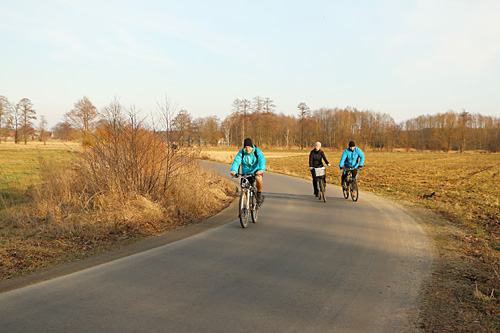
<point>458,296</point>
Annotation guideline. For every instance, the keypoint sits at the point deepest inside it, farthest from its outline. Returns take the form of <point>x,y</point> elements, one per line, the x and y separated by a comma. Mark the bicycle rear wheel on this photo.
<point>322,189</point>
<point>255,209</point>
<point>244,213</point>
<point>345,189</point>
<point>354,190</point>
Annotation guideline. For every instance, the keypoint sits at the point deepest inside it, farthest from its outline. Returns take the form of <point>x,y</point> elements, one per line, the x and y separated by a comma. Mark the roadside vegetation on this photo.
<point>458,198</point>
<point>59,205</point>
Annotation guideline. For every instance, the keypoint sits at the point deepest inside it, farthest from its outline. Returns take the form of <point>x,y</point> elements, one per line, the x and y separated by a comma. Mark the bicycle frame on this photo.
<point>248,199</point>
<point>349,173</point>
<point>351,185</point>
<point>320,174</point>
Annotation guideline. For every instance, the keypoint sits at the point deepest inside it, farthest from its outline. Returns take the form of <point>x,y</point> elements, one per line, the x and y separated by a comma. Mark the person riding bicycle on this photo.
<point>353,158</point>
<point>252,160</point>
<point>316,158</point>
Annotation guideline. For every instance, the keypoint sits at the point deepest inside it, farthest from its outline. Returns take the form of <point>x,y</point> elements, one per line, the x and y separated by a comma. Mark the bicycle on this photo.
<point>320,174</point>
<point>248,199</point>
<point>350,185</point>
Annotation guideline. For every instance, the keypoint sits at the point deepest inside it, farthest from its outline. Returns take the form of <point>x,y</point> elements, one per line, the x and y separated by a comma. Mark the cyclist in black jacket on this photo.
<point>316,158</point>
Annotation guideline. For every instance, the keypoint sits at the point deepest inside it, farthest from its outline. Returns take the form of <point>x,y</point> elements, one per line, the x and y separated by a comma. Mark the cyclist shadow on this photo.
<point>298,197</point>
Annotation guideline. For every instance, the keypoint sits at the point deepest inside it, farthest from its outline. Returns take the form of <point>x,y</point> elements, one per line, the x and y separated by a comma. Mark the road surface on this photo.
<point>306,266</point>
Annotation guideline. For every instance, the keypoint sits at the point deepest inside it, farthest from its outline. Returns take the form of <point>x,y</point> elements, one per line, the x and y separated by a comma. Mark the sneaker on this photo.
<point>316,195</point>
<point>260,198</point>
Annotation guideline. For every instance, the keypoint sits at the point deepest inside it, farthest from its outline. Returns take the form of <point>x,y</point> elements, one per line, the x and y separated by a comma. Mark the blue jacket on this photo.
<point>249,162</point>
<point>349,158</point>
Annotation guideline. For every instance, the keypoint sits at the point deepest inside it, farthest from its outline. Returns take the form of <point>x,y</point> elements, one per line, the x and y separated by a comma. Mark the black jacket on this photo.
<point>316,157</point>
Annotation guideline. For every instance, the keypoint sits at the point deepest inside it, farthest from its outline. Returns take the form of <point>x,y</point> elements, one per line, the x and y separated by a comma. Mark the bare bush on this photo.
<point>128,180</point>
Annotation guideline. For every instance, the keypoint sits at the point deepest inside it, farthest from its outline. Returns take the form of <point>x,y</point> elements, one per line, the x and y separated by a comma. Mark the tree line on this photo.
<point>16,120</point>
<point>257,118</point>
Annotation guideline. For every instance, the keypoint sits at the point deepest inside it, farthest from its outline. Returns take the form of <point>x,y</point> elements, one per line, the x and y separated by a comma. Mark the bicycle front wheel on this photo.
<point>345,189</point>
<point>354,190</point>
<point>322,189</point>
<point>255,209</point>
<point>244,213</point>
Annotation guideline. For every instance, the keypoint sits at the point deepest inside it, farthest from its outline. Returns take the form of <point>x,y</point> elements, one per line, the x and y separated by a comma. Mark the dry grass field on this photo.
<point>226,155</point>
<point>463,215</point>
<point>465,186</point>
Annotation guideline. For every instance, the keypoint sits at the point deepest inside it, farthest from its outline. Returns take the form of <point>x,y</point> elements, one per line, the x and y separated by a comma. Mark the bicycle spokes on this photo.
<point>244,205</point>
<point>345,189</point>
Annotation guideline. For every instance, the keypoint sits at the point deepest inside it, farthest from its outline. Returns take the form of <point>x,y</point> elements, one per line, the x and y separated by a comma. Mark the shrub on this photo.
<point>127,180</point>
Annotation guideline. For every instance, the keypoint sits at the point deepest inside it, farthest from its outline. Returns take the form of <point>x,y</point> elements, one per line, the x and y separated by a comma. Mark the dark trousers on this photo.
<point>354,174</point>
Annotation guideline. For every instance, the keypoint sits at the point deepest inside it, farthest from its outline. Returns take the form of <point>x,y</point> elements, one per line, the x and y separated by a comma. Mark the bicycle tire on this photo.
<point>345,189</point>
<point>318,189</point>
<point>255,208</point>
<point>243,209</point>
<point>322,190</point>
<point>354,190</point>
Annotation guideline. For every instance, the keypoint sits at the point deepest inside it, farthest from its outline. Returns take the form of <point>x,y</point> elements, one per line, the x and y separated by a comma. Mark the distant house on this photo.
<point>48,135</point>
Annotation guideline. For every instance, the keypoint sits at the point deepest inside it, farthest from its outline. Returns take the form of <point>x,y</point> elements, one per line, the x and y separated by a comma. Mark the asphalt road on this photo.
<point>305,266</point>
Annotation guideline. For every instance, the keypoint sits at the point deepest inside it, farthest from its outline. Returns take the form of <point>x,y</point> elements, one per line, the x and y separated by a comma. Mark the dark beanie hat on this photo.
<point>247,142</point>
<point>352,144</point>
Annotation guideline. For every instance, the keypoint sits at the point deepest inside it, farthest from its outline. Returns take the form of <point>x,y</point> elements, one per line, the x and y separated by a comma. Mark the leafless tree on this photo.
<point>226,128</point>
<point>268,105</point>
<point>304,113</point>
<point>42,129</point>
<point>114,116</point>
<point>6,111</point>
<point>464,120</point>
<point>64,131</point>
<point>257,108</point>
<point>242,108</point>
<point>83,117</point>
<point>24,114</point>
<point>182,124</point>
<point>166,111</point>
<point>208,130</point>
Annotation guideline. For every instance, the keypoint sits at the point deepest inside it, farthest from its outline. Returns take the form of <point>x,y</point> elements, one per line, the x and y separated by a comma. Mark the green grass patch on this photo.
<point>20,169</point>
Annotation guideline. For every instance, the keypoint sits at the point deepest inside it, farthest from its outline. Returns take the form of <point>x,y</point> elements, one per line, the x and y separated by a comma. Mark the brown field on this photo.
<point>463,216</point>
<point>226,155</point>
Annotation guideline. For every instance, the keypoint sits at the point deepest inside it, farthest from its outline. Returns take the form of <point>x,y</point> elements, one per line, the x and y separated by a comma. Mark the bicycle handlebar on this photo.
<point>350,169</point>
<point>241,175</point>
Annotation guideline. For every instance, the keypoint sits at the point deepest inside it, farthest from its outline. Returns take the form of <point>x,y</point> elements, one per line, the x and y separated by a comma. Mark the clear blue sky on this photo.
<point>401,57</point>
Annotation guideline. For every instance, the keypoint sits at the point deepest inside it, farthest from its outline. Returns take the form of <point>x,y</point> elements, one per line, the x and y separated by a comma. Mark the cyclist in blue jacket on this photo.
<point>352,157</point>
<point>252,160</point>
